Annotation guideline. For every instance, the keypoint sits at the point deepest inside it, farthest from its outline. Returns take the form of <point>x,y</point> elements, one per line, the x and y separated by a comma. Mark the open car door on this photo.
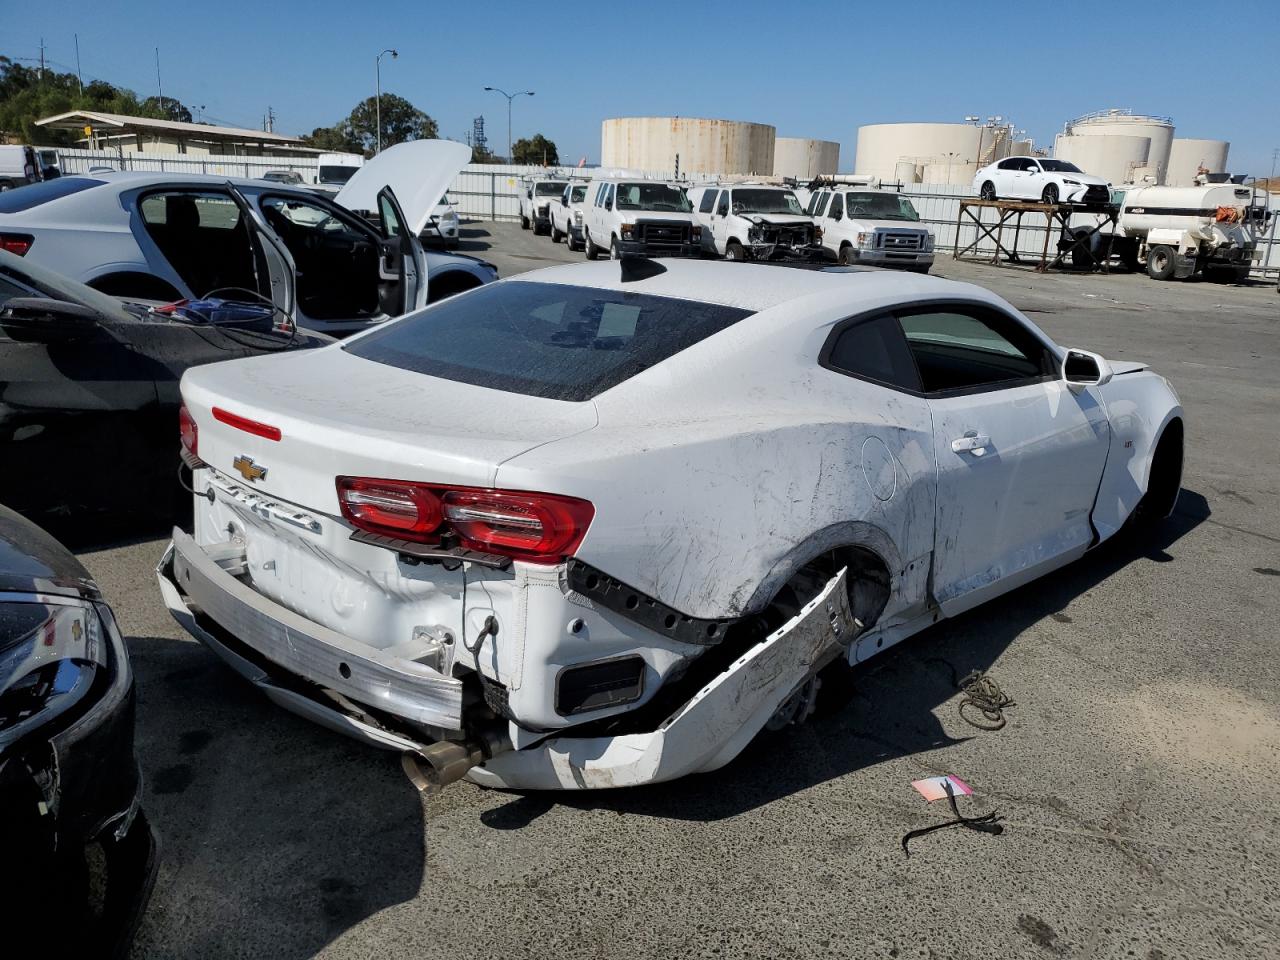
<point>402,265</point>
<point>272,263</point>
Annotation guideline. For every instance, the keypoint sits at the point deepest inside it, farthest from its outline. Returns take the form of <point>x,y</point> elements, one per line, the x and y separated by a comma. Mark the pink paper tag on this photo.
<point>934,788</point>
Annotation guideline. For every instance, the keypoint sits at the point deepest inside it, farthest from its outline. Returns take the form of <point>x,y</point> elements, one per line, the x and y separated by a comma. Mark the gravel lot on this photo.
<point>1135,777</point>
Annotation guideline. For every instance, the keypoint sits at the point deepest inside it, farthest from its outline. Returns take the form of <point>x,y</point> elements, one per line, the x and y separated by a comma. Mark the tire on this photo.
<point>1164,483</point>
<point>1050,194</point>
<point>1083,256</point>
<point>572,244</point>
<point>847,258</point>
<point>614,254</point>
<point>733,251</point>
<point>1127,251</point>
<point>590,248</point>
<point>524,222</point>
<point>1160,262</point>
<point>988,191</point>
<point>556,235</point>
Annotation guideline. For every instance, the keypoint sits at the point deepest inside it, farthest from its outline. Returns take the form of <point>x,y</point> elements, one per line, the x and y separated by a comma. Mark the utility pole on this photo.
<point>269,124</point>
<point>377,79</point>
<point>42,59</point>
<point>159,87</point>
<point>79,79</point>
<point>1274,155</point>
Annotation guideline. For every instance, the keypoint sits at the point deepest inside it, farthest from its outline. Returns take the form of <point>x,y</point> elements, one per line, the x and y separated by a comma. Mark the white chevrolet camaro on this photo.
<point>600,524</point>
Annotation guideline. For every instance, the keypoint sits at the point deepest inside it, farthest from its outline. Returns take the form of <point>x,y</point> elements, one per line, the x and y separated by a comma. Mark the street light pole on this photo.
<point>377,80</point>
<point>510,97</point>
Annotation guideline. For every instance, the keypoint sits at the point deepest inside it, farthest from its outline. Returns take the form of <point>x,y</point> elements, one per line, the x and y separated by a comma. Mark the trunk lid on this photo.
<point>342,415</point>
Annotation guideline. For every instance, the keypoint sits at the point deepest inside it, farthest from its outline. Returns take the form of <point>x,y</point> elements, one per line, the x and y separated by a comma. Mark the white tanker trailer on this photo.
<point>1177,232</point>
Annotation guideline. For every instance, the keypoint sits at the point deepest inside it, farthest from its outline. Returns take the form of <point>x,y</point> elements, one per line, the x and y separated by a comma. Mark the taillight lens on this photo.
<point>16,243</point>
<point>188,432</point>
<point>396,508</point>
<point>255,427</point>
<point>533,527</point>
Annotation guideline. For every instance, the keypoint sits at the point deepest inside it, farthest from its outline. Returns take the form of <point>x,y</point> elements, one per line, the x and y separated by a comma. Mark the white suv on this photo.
<point>566,216</point>
<point>536,197</point>
<point>648,218</point>
<point>751,221</point>
<point>878,227</point>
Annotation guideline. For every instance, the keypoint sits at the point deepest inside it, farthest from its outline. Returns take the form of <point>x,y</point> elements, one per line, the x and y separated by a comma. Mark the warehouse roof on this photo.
<point>117,124</point>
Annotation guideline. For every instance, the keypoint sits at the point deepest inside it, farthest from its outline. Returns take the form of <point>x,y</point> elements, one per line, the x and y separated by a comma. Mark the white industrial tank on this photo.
<point>960,174</point>
<point>703,146</point>
<point>1114,158</point>
<point>882,146</point>
<point>805,159</point>
<point>1183,208</point>
<point>1188,155</point>
<point>905,171</point>
<point>1113,123</point>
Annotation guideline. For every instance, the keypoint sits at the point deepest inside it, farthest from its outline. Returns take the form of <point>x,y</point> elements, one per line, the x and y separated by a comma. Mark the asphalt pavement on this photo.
<point>1135,780</point>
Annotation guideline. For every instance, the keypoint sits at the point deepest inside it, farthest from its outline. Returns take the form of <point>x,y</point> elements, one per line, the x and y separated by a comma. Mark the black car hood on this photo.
<point>31,561</point>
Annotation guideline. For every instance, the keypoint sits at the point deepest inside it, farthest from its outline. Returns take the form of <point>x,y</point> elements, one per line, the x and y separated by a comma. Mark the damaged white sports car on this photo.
<point>600,524</point>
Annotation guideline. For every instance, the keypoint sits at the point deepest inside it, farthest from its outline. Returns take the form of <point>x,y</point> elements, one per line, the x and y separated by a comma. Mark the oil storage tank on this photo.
<point>1114,158</point>
<point>882,146</point>
<point>702,146</point>
<point>1125,123</point>
<point>803,158</point>
<point>1188,155</point>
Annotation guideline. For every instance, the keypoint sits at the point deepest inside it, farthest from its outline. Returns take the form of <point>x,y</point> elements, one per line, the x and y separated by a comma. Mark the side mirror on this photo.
<point>41,320</point>
<point>837,216</point>
<point>1081,368</point>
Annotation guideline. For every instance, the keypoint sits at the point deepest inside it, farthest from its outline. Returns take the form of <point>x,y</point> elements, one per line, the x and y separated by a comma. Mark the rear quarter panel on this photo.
<point>718,473</point>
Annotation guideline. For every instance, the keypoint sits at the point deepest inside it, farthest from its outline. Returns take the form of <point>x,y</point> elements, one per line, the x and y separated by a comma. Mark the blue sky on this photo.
<point>810,69</point>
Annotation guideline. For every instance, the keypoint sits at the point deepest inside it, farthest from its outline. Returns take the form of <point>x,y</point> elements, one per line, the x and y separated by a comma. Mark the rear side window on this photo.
<point>24,198</point>
<point>544,339</point>
<point>708,201</point>
<point>874,349</point>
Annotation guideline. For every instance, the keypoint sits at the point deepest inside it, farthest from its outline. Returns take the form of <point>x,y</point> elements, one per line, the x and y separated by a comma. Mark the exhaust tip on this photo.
<point>439,764</point>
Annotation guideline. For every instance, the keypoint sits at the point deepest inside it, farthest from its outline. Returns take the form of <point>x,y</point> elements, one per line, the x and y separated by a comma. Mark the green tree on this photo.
<point>333,139</point>
<point>401,121</point>
<point>537,149</point>
<point>482,155</point>
<point>169,109</point>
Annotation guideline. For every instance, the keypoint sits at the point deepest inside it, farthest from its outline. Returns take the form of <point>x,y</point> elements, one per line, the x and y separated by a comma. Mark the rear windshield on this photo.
<point>549,189</point>
<point>24,198</point>
<point>544,339</point>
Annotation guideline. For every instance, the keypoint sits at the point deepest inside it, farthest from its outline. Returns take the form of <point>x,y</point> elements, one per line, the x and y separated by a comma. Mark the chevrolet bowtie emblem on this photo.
<point>248,469</point>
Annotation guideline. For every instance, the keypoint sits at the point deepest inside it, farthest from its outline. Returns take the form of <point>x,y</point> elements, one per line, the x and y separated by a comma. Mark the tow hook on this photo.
<point>437,765</point>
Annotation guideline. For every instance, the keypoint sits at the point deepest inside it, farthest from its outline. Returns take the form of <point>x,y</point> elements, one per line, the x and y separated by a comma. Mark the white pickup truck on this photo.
<point>566,216</point>
<point>647,218</point>
<point>865,225</point>
<point>537,194</point>
<point>754,221</point>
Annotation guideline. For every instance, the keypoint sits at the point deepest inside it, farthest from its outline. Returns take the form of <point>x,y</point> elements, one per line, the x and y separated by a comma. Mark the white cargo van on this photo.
<point>648,218</point>
<point>754,221</point>
<point>866,225</point>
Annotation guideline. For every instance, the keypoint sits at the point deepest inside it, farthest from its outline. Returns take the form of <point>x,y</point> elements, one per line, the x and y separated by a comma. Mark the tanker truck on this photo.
<point>1177,232</point>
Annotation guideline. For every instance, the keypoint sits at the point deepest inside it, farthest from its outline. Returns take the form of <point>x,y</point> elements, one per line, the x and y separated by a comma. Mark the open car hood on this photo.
<point>419,172</point>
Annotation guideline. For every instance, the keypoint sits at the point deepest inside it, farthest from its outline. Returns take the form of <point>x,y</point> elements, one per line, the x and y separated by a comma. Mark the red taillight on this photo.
<point>255,427</point>
<point>188,431</point>
<point>534,527</point>
<point>394,507</point>
<point>16,243</point>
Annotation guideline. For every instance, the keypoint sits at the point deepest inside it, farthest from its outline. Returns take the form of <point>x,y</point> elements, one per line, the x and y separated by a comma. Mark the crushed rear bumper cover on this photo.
<point>258,638</point>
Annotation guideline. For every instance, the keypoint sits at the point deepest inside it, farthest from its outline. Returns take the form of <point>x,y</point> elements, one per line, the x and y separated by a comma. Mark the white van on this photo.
<point>754,221</point>
<point>335,169</point>
<point>648,218</point>
<point>866,225</point>
<point>19,165</point>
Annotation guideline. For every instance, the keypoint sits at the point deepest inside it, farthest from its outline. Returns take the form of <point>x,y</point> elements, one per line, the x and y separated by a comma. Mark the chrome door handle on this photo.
<point>971,443</point>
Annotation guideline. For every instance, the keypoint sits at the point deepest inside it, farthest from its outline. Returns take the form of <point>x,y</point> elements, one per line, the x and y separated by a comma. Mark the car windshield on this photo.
<point>766,201</point>
<point>579,194</point>
<point>56,286</point>
<point>552,189</point>
<point>32,195</point>
<point>652,196</point>
<point>337,174</point>
<point>1058,166</point>
<point>881,206</point>
<point>544,339</point>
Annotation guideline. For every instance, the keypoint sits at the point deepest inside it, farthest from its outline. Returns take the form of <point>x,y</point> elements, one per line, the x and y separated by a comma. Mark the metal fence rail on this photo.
<point>490,192</point>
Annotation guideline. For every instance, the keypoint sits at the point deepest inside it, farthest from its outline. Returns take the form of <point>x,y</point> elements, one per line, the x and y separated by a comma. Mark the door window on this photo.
<point>608,200</point>
<point>708,201</point>
<point>973,349</point>
<point>1011,164</point>
<point>820,207</point>
<point>723,208</point>
<point>201,235</point>
<point>837,206</point>
<point>873,349</point>
<point>391,225</point>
